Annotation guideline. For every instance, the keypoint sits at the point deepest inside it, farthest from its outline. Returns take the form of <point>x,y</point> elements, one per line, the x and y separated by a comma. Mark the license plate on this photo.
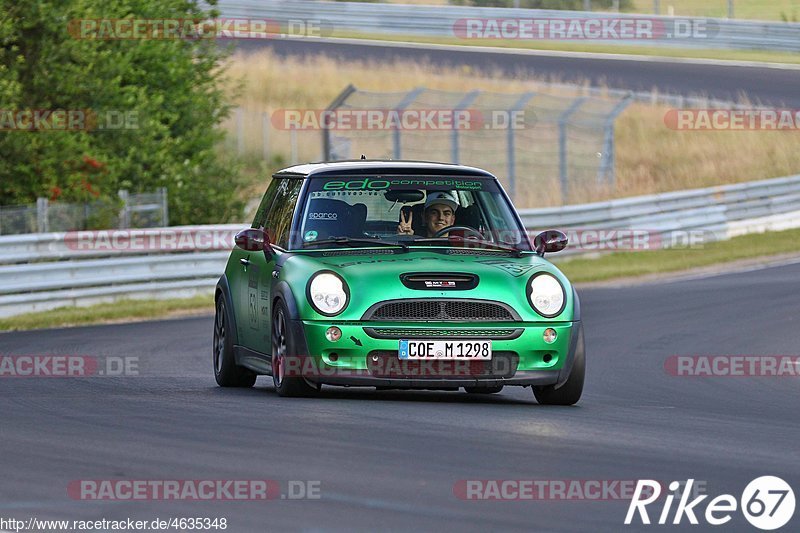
<point>458,350</point>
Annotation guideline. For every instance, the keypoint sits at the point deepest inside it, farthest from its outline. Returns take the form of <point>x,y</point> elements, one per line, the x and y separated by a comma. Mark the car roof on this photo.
<point>366,167</point>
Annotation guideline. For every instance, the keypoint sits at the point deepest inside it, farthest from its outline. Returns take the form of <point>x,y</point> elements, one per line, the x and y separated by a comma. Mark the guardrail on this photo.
<point>440,21</point>
<point>45,271</point>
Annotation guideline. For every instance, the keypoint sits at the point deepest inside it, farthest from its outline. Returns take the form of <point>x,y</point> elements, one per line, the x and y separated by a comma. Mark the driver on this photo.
<point>439,213</point>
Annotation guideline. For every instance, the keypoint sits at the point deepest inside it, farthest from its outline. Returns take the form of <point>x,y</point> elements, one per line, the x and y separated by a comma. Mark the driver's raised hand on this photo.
<point>404,228</point>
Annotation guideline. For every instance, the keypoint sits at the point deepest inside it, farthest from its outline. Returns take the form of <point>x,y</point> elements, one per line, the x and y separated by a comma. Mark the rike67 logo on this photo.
<point>767,503</point>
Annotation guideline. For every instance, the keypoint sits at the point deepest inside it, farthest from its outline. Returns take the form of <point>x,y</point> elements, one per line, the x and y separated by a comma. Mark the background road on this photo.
<point>389,460</point>
<point>769,86</point>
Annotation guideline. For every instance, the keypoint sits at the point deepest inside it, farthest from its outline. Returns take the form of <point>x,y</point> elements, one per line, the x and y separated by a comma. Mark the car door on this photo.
<point>255,296</point>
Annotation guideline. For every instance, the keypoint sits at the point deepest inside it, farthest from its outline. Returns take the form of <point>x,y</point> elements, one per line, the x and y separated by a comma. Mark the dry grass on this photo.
<point>650,157</point>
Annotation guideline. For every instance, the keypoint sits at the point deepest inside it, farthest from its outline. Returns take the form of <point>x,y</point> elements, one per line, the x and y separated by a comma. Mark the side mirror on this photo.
<point>550,241</point>
<point>253,240</point>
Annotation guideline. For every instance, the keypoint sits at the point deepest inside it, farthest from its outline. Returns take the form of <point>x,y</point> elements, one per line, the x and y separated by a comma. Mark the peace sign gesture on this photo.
<point>404,228</point>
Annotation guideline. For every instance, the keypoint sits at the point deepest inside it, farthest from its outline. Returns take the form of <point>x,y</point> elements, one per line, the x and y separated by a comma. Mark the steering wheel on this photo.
<point>462,228</point>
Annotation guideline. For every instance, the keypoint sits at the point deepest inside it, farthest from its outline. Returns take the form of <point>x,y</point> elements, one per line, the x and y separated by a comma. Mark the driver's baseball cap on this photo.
<point>442,197</point>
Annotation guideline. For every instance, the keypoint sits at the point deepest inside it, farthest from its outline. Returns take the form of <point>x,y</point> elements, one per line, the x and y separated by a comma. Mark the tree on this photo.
<point>162,97</point>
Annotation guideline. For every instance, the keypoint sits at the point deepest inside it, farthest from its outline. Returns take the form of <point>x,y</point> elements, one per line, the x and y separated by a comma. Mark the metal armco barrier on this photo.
<point>45,271</point>
<point>439,21</point>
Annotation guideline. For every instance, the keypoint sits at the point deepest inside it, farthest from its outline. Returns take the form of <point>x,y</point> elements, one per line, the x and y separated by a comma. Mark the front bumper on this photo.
<point>366,354</point>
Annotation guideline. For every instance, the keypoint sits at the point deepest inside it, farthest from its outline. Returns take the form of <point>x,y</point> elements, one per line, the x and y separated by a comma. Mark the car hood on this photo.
<point>377,275</point>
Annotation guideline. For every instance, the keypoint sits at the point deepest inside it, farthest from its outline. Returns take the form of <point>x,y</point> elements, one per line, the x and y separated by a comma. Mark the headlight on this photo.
<point>328,293</point>
<point>546,295</point>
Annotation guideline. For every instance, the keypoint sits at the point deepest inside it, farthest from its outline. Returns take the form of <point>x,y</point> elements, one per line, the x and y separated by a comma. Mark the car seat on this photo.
<point>335,218</point>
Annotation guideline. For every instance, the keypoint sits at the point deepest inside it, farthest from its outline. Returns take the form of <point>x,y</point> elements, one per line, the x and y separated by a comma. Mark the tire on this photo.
<point>483,390</point>
<point>570,392</point>
<point>282,347</point>
<point>226,371</point>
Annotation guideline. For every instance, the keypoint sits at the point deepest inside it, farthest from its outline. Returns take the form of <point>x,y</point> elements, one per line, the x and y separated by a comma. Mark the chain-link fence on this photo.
<point>546,149</point>
<point>145,210</point>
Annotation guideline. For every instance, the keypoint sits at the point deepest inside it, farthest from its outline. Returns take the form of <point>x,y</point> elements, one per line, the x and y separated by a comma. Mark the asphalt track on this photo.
<point>390,460</point>
<point>767,86</point>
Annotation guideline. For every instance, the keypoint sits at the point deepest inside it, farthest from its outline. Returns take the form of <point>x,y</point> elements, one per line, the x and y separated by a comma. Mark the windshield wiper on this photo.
<point>484,244</point>
<point>353,241</point>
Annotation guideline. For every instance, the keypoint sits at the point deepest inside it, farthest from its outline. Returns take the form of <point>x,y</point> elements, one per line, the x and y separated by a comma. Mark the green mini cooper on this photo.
<point>396,275</point>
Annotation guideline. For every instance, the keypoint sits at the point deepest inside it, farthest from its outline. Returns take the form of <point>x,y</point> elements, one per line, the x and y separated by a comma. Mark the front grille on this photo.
<point>443,310</point>
<point>388,365</point>
<point>442,333</point>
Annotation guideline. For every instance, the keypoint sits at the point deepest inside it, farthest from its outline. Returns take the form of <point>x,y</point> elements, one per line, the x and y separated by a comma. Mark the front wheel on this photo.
<point>282,350</point>
<point>570,392</point>
<point>226,372</point>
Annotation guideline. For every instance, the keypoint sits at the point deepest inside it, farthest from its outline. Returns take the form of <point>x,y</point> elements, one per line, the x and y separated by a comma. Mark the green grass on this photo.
<point>743,9</point>
<point>108,312</point>
<point>631,264</point>
<point>666,51</point>
<point>603,268</point>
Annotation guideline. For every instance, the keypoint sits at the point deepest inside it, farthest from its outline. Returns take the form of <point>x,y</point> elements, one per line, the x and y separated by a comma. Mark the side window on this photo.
<point>266,203</point>
<point>279,217</point>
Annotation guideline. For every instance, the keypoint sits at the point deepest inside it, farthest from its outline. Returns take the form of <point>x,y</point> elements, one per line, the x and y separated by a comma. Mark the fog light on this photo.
<point>549,335</point>
<point>333,334</point>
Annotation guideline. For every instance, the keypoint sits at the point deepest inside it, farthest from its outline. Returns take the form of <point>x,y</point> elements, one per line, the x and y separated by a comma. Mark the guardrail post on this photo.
<point>124,213</point>
<point>511,144</point>
<point>467,100</point>
<point>587,5</point>
<point>404,103</point>
<point>563,171</point>
<point>326,133</point>
<point>42,220</point>
<point>162,191</point>
<point>656,7</point>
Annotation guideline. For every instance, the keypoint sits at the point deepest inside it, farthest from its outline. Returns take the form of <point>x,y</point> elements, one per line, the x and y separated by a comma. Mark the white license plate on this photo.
<point>458,350</point>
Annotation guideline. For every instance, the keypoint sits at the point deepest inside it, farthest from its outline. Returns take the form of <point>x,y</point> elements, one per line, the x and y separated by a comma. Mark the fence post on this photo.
<point>239,130</point>
<point>563,171</point>
<point>511,143</point>
<point>454,149</point>
<point>587,5</point>
<point>730,9</point>
<point>42,220</point>
<point>265,136</point>
<point>124,213</point>
<point>293,141</point>
<point>326,132</point>
<point>656,7</point>
<point>162,191</point>
<point>404,103</point>
<point>607,163</point>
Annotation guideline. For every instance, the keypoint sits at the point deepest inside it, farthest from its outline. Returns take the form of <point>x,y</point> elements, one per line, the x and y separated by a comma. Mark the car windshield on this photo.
<point>416,211</point>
